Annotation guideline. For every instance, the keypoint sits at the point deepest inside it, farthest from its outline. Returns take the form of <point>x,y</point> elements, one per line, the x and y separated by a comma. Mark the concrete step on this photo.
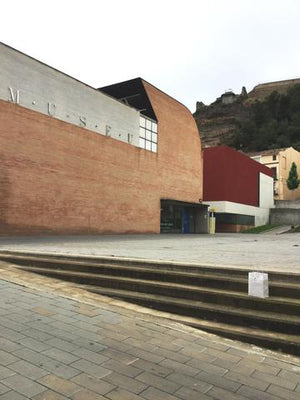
<point>289,343</point>
<point>178,290</point>
<point>214,298</point>
<point>236,272</point>
<point>200,276</point>
<point>161,298</point>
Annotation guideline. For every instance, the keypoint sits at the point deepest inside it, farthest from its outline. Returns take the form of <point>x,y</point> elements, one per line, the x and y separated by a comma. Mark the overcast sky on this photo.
<point>191,49</point>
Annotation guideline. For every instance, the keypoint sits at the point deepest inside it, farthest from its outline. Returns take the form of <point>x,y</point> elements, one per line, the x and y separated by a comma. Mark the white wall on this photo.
<point>266,192</point>
<point>34,85</point>
<point>261,214</point>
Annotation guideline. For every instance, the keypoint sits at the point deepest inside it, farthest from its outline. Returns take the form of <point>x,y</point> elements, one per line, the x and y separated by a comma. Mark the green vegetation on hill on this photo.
<point>272,123</point>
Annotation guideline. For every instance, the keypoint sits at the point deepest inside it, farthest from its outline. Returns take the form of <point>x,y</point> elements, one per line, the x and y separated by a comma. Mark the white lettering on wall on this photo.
<point>51,109</point>
<point>82,120</point>
<point>107,130</point>
<point>14,95</point>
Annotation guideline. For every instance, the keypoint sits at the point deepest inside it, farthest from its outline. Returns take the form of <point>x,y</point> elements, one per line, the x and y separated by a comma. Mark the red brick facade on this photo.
<point>59,178</point>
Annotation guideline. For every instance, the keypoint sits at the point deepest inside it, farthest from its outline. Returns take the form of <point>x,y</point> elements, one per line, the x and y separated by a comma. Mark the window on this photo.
<point>284,162</point>
<point>274,157</point>
<point>148,134</point>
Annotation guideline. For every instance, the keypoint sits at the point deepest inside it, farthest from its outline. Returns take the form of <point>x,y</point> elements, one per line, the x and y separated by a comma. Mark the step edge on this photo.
<point>178,286</point>
<point>151,261</point>
<point>195,304</point>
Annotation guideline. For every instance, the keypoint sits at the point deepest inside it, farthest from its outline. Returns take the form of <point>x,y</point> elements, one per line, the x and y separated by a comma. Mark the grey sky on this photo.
<point>193,50</point>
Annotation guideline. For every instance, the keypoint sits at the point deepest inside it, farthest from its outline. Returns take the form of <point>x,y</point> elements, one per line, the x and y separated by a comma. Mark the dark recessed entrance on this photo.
<point>182,217</point>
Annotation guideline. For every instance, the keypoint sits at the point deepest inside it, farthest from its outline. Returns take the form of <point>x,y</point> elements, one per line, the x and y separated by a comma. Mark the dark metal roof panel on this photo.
<point>132,93</point>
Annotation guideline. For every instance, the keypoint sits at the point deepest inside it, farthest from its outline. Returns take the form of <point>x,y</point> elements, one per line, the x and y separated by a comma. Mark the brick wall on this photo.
<point>179,156</point>
<point>59,178</point>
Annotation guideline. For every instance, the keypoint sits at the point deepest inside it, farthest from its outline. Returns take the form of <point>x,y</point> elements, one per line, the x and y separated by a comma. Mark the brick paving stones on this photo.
<point>54,347</point>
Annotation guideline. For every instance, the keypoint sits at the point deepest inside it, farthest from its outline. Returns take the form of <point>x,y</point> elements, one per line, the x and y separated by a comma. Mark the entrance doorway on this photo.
<point>183,217</point>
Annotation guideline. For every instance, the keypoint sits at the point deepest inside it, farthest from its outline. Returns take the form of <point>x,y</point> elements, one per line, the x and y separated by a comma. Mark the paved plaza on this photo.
<point>268,251</point>
<point>59,342</point>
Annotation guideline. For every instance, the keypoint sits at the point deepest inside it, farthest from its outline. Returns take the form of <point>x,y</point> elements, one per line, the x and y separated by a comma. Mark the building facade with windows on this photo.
<point>75,159</point>
<point>238,189</point>
<point>280,162</point>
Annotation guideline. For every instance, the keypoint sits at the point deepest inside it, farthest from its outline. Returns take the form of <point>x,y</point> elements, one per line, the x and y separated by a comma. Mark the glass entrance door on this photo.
<point>171,219</point>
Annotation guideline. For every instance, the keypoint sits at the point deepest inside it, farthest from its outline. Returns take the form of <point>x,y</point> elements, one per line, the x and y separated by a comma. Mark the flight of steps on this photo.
<point>214,299</point>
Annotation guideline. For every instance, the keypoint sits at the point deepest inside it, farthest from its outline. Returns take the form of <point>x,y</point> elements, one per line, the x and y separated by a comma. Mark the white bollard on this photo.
<point>258,284</point>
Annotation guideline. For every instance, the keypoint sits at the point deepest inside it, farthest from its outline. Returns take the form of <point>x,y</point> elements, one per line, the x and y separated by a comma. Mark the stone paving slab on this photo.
<point>254,251</point>
<point>59,342</point>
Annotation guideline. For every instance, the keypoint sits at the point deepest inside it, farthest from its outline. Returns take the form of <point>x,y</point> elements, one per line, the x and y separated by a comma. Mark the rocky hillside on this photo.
<point>260,92</point>
<point>223,118</point>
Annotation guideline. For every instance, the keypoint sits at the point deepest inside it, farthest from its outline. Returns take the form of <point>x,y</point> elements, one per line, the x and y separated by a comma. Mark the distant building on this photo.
<point>280,161</point>
<point>237,188</point>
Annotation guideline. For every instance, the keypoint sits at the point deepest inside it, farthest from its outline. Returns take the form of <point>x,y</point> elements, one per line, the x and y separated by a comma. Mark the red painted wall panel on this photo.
<point>229,175</point>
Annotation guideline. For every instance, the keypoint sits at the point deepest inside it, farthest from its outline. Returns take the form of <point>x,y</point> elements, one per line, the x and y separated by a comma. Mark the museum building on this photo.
<point>74,159</point>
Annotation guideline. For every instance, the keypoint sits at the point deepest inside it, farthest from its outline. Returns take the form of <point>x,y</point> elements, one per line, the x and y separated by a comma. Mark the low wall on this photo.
<point>287,204</point>
<point>287,216</point>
